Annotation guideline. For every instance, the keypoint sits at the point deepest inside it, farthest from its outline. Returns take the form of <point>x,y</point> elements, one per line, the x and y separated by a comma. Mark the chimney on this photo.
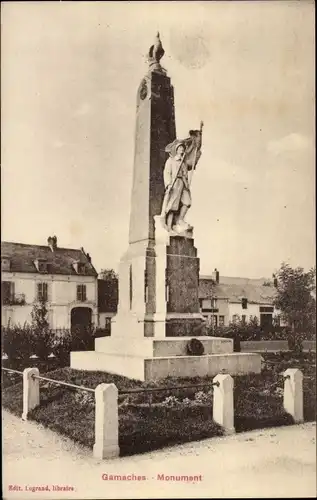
<point>52,242</point>
<point>274,280</point>
<point>88,257</point>
<point>215,275</point>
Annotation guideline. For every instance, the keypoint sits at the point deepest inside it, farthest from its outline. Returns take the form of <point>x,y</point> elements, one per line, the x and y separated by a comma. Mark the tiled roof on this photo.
<point>60,261</point>
<point>233,280</point>
<point>250,289</point>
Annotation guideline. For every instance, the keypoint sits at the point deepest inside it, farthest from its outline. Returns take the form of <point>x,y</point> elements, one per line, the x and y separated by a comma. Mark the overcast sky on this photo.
<point>70,72</point>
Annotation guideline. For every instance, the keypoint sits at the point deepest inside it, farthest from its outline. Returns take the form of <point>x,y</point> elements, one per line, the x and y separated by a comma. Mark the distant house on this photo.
<point>224,300</point>
<point>65,278</point>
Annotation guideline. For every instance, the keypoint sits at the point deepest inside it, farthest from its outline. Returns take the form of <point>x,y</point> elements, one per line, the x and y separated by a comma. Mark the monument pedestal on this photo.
<point>158,288</point>
<point>158,315</point>
<point>155,359</point>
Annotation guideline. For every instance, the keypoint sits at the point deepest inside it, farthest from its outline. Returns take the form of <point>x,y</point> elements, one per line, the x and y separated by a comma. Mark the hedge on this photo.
<point>19,343</point>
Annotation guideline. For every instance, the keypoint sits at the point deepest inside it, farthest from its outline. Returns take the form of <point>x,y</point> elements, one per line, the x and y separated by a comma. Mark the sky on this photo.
<point>70,73</point>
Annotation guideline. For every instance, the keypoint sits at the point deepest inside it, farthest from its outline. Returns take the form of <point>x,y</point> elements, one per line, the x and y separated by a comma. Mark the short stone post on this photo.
<point>106,422</point>
<point>293,394</point>
<point>31,391</point>
<point>223,411</point>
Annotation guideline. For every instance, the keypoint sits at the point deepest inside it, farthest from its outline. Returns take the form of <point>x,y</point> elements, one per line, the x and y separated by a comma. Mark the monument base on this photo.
<point>166,357</point>
<point>156,368</point>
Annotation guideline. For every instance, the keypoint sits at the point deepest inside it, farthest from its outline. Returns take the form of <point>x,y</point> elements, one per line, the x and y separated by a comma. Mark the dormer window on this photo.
<point>41,265</point>
<point>5,263</point>
<point>79,267</point>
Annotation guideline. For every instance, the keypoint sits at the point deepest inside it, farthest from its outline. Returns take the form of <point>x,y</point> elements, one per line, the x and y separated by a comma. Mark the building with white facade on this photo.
<point>65,278</point>
<point>224,300</point>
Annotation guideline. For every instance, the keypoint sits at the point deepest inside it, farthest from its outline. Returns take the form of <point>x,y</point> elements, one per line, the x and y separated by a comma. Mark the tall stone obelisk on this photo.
<point>159,273</point>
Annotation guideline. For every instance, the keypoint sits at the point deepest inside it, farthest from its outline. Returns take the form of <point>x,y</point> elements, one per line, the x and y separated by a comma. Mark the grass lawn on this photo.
<point>146,424</point>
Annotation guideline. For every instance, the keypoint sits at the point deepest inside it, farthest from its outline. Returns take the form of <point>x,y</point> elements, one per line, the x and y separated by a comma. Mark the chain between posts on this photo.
<point>175,387</point>
<point>66,384</point>
<point>11,370</point>
<point>124,391</point>
<point>278,381</point>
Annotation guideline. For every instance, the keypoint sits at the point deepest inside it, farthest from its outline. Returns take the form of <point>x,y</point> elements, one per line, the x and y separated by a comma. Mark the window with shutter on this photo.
<point>81,293</point>
<point>42,291</point>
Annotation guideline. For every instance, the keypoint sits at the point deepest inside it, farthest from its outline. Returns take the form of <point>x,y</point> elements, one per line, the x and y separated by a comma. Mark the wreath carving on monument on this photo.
<point>195,347</point>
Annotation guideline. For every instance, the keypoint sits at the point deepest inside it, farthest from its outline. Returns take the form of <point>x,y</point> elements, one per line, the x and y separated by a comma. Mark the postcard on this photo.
<point>158,250</point>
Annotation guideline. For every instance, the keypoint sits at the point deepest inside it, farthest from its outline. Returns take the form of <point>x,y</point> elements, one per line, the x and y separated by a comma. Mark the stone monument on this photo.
<point>158,311</point>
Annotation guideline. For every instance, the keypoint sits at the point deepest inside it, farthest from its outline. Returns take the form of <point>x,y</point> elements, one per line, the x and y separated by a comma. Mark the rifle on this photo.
<point>194,163</point>
<point>201,131</point>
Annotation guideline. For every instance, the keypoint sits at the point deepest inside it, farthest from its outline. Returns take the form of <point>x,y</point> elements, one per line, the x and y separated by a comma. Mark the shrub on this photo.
<point>204,397</point>
<point>17,342</point>
<point>241,331</point>
<point>171,401</point>
<point>22,342</point>
<point>82,339</point>
<point>42,343</point>
<point>62,343</point>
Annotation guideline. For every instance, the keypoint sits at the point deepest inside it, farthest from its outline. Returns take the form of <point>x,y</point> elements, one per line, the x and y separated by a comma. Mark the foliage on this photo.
<point>62,344</point>
<point>295,299</point>
<point>19,343</point>
<point>251,330</point>
<point>15,300</point>
<point>268,283</point>
<point>41,339</point>
<point>108,274</point>
<point>16,342</point>
<point>108,290</point>
<point>171,401</point>
<point>39,315</point>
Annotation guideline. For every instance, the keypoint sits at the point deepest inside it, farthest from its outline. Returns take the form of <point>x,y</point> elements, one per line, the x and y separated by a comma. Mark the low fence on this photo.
<point>106,403</point>
<point>264,345</point>
<point>274,345</point>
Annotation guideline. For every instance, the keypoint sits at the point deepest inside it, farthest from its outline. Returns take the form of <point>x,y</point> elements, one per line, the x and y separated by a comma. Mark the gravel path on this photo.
<point>278,462</point>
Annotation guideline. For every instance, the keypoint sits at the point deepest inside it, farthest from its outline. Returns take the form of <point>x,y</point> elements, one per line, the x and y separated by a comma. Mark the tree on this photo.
<point>295,297</point>
<point>41,336</point>
<point>39,316</point>
<point>108,274</point>
<point>108,290</point>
